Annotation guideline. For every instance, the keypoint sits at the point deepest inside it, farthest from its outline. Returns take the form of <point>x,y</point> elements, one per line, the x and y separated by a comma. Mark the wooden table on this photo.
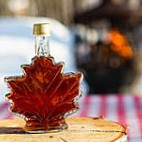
<point>80,129</point>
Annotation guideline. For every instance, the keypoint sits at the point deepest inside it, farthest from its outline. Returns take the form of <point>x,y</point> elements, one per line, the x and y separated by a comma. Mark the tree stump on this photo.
<point>80,129</point>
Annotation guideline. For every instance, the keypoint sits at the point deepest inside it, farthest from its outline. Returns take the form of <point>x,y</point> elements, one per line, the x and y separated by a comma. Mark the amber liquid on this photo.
<point>44,95</point>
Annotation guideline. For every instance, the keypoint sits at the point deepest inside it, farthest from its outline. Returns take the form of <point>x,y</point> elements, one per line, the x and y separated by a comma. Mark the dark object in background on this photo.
<point>109,65</point>
<point>108,74</point>
<point>106,80</point>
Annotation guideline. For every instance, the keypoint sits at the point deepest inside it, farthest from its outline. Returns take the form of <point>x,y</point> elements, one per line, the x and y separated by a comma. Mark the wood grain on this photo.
<point>81,129</point>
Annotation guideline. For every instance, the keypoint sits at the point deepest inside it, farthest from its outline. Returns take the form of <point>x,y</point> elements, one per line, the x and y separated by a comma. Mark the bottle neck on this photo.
<point>42,45</point>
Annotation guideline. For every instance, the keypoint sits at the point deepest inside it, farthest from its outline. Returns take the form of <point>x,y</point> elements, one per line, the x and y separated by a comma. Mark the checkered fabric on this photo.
<point>125,109</point>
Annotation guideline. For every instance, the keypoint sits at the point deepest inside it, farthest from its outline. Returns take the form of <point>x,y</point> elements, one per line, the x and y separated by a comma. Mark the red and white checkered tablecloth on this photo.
<point>125,109</point>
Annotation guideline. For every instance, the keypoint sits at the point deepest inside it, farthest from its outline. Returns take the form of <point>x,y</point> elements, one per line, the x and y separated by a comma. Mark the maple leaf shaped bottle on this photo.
<point>43,95</point>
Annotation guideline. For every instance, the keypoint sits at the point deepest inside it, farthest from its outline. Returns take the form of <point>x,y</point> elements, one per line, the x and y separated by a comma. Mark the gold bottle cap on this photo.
<point>41,29</point>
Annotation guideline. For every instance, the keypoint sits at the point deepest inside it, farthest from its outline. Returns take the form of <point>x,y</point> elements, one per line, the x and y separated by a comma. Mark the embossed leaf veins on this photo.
<point>43,95</point>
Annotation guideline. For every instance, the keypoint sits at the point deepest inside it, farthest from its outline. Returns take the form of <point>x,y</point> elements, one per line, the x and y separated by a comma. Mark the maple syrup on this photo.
<point>44,96</point>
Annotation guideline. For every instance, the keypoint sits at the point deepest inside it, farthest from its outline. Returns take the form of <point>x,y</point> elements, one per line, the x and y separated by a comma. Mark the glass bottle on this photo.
<point>44,96</point>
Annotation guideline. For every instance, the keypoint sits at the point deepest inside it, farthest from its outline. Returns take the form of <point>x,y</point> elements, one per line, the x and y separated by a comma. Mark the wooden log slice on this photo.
<point>81,129</point>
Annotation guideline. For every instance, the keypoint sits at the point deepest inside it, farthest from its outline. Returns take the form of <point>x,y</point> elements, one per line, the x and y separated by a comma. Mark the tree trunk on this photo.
<point>81,129</point>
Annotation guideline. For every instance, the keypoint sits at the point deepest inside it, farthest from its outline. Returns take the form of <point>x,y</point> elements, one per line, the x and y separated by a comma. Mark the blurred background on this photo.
<point>101,38</point>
